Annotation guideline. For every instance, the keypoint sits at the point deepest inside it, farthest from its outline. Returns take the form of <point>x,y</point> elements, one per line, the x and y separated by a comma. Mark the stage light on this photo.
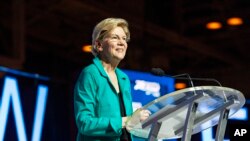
<point>213,25</point>
<point>234,21</point>
<point>180,85</point>
<point>86,48</point>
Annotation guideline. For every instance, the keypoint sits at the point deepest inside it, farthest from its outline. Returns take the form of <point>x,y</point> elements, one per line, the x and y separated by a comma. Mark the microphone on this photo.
<point>160,72</point>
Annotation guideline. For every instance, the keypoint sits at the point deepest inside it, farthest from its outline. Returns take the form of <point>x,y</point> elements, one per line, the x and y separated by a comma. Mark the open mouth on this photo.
<point>119,50</point>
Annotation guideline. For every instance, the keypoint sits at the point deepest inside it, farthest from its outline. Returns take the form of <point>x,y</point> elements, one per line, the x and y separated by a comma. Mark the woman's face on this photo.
<point>114,45</point>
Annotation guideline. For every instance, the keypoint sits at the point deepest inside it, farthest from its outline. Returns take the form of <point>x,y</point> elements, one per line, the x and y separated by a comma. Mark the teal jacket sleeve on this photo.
<point>84,105</point>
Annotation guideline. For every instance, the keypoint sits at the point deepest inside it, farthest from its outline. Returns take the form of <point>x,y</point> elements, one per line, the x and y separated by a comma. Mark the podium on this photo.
<point>185,112</point>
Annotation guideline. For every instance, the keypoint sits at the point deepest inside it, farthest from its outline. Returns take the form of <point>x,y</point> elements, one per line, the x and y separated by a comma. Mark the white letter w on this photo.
<point>11,92</point>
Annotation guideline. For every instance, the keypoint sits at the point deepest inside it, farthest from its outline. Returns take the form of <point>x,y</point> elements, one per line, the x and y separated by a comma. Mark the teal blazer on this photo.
<point>96,104</point>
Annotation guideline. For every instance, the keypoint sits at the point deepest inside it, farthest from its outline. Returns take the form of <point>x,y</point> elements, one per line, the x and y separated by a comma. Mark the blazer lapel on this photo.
<point>122,80</point>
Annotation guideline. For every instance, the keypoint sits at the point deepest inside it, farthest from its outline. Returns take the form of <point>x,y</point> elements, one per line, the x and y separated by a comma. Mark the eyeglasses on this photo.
<point>115,38</point>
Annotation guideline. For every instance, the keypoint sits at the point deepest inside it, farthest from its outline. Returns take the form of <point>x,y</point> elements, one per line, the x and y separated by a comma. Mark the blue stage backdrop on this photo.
<point>146,87</point>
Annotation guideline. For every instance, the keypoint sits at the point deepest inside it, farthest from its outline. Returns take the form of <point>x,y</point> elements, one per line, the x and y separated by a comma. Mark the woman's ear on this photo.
<point>98,45</point>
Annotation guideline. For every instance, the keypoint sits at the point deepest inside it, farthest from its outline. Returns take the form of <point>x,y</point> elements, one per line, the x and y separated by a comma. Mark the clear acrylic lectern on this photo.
<point>185,112</point>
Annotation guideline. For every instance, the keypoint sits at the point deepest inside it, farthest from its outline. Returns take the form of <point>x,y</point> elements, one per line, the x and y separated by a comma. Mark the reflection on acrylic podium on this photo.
<point>185,112</point>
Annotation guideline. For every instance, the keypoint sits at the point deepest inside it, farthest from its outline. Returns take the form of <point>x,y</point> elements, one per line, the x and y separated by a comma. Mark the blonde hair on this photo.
<point>104,27</point>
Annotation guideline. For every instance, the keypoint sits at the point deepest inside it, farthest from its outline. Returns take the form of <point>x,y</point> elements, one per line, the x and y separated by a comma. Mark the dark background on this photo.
<point>46,37</point>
